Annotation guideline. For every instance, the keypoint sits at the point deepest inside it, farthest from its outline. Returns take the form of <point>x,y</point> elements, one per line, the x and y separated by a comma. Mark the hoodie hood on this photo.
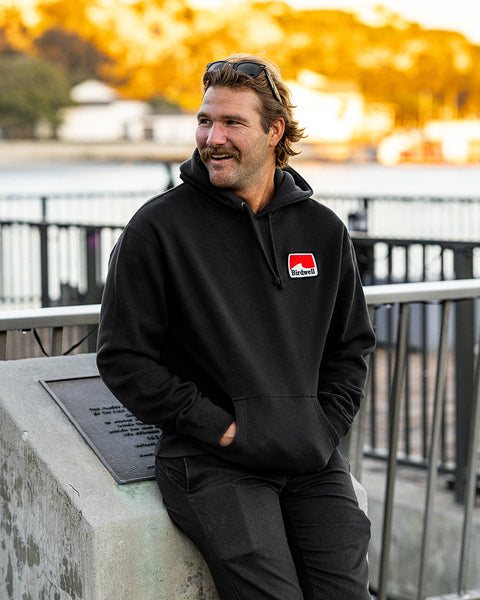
<point>290,187</point>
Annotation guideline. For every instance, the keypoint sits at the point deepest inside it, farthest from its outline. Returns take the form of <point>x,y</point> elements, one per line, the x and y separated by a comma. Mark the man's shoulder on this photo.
<point>169,198</point>
<point>318,211</point>
<point>170,202</point>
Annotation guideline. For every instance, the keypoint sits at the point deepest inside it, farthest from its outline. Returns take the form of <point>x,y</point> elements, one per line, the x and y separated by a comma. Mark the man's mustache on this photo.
<point>210,152</point>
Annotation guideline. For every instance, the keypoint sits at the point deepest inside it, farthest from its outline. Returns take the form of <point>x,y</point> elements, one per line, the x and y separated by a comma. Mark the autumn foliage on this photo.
<point>158,48</point>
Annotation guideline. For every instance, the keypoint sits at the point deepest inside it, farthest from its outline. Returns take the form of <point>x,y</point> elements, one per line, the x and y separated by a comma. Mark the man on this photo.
<point>233,318</point>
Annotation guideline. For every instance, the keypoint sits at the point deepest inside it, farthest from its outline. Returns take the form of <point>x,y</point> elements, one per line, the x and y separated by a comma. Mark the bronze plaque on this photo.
<point>125,445</point>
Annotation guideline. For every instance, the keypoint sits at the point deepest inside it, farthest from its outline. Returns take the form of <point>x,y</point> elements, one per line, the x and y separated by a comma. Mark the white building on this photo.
<point>336,112</point>
<point>101,116</point>
<point>332,113</point>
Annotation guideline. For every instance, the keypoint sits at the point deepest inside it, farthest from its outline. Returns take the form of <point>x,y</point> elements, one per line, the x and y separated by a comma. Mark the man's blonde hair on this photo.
<point>272,109</point>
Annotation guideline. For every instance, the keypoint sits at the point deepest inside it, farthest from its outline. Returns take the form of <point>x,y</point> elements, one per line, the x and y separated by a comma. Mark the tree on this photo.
<point>32,90</point>
<point>14,34</point>
<point>80,58</point>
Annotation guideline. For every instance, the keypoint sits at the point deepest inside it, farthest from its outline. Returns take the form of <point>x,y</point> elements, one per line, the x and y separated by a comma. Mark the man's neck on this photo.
<point>259,199</point>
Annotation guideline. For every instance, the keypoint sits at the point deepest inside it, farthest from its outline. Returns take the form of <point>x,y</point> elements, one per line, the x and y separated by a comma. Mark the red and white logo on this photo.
<point>302,265</point>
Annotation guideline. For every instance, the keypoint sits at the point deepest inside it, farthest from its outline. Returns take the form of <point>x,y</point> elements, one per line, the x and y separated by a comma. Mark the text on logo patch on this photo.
<point>302,265</point>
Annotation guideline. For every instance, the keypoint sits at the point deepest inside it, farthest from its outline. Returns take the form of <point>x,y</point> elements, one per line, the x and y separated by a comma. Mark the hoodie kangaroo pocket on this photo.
<point>283,434</point>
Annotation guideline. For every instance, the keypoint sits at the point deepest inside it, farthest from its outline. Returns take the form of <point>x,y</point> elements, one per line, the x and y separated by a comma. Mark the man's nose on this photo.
<point>216,136</point>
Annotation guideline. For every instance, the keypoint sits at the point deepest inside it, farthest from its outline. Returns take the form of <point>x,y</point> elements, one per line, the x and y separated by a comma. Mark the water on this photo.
<point>327,178</point>
<point>405,180</point>
<point>80,177</point>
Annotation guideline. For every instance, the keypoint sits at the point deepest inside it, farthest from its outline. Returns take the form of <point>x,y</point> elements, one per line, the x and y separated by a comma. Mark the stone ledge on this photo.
<point>69,531</point>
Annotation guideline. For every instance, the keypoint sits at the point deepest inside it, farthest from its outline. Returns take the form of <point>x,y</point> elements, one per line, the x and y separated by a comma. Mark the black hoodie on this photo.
<point>212,313</point>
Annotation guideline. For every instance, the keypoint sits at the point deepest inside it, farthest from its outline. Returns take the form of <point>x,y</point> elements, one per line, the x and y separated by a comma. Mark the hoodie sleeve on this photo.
<point>350,340</point>
<point>133,338</point>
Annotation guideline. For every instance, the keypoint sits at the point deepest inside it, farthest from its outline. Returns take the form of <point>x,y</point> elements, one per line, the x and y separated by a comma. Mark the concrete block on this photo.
<point>68,531</point>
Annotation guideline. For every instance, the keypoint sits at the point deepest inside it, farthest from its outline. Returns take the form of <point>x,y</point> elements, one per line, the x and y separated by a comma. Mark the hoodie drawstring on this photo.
<point>277,279</point>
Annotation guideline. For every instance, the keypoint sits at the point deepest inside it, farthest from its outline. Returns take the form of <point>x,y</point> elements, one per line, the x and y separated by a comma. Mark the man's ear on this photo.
<point>276,131</point>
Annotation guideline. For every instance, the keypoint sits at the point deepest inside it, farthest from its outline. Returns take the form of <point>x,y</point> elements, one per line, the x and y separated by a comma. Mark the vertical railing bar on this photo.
<point>357,438</point>
<point>442,263</point>
<point>464,369</point>
<point>389,319</point>
<point>444,430</point>
<point>425,380</point>
<point>406,406</point>
<point>396,394</point>
<point>2,254</point>
<point>373,402</point>
<point>424,310</point>
<point>44,263</point>
<point>471,483</point>
<point>440,380</point>
<point>57,337</point>
<point>373,388</point>
<point>3,345</point>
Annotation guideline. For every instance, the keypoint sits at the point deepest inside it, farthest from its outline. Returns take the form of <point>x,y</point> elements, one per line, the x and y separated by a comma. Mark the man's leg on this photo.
<point>235,520</point>
<point>329,534</point>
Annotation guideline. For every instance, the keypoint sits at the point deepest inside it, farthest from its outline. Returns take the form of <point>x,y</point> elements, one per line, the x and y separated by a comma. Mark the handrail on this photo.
<point>424,291</point>
<point>54,316</point>
<point>88,314</point>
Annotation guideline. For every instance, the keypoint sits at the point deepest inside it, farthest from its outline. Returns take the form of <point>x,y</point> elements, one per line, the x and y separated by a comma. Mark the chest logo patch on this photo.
<point>302,265</point>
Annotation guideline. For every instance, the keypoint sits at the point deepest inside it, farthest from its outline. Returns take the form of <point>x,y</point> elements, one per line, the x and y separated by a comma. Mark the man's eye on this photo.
<point>204,121</point>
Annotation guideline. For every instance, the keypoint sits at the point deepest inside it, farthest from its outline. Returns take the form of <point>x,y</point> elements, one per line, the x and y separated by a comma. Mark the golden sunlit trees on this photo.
<point>78,57</point>
<point>14,34</point>
<point>159,48</point>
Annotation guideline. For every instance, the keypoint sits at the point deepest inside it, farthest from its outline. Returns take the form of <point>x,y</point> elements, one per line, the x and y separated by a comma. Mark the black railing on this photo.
<point>397,239</point>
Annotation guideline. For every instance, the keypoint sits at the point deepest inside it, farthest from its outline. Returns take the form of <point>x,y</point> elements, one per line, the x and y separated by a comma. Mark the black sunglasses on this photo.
<point>252,69</point>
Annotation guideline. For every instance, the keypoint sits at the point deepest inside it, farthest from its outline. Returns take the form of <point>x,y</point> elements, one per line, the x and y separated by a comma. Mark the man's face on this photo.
<point>233,145</point>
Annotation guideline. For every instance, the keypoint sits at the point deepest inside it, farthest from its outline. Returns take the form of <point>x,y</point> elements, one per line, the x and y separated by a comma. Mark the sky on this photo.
<point>456,15</point>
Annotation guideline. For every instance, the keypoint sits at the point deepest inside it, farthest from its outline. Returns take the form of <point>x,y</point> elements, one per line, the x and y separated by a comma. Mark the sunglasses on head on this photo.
<point>252,69</point>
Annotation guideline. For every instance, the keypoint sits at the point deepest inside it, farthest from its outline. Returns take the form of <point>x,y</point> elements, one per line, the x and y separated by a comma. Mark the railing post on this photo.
<point>43,228</point>
<point>3,345</point>
<point>464,343</point>
<point>57,337</point>
<point>93,264</point>
<point>395,402</point>
<point>94,291</point>
<point>471,483</point>
<point>439,400</point>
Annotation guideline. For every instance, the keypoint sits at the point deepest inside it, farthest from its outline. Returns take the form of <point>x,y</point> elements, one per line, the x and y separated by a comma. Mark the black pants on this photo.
<point>272,537</point>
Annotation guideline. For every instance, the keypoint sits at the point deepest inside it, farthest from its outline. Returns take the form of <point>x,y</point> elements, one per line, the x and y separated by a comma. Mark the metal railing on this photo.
<point>58,320</point>
<point>423,217</point>
<point>404,297</point>
<point>58,263</point>
<point>54,248</point>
